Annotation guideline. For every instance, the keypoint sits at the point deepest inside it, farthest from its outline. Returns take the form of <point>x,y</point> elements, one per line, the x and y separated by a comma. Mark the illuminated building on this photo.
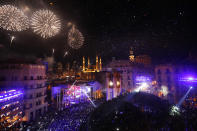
<point>59,68</point>
<point>113,84</point>
<point>31,77</point>
<point>88,72</point>
<point>143,59</point>
<point>140,59</point>
<point>73,93</point>
<point>92,68</point>
<point>131,56</point>
<point>11,108</point>
<point>173,81</point>
<point>128,72</point>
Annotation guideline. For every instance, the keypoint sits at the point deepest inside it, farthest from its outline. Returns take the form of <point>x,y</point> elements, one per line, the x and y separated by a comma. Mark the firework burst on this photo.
<point>75,38</point>
<point>13,19</point>
<point>45,23</point>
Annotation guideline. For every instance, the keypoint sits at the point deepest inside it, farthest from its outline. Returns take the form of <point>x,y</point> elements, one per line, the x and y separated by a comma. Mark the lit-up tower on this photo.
<point>84,63</point>
<point>88,63</point>
<point>100,64</point>
<point>11,109</point>
<point>131,56</point>
<point>92,68</point>
<point>97,63</point>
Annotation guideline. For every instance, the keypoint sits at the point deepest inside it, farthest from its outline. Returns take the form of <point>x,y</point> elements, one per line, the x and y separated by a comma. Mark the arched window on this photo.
<point>159,71</point>
<point>177,71</point>
<point>167,71</point>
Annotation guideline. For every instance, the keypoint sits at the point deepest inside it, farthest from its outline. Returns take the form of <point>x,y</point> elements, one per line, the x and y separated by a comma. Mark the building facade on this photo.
<point>113,84</point>
<point>89,70</point>
<point>173,81</point>
<point>129,71</point>
<point>31,78</point>
<point>11,108</point>
<point>64,95</point>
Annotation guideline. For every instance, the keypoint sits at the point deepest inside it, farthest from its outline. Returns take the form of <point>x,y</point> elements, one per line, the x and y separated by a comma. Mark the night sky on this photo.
<point>163,29</point>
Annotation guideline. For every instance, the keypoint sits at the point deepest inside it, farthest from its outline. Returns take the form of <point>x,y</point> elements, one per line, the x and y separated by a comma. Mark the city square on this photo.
<point>98,65</point>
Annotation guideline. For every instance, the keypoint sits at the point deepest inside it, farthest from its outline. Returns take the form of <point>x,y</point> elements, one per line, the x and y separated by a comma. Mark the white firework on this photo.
<point>11,39</point>
<point>13,19</point>
<point>75,38</point>
<point>45,23</point>
<point>65,53</point>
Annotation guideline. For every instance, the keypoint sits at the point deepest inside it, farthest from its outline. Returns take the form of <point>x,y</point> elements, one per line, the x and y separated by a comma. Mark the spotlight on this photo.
<point>190,78</point>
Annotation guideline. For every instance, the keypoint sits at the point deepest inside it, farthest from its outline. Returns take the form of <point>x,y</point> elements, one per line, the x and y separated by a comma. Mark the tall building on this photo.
<point>30,77</point>
<point>129,71</point>
<point>11,108</point>
<point>131,56</point>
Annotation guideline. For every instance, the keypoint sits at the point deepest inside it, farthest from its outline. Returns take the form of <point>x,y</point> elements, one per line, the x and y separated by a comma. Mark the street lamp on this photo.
<point>118,83</point>
<point>111,83</point>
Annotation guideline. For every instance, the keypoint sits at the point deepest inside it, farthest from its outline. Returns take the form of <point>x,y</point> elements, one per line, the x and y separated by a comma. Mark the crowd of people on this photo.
<point>69,119</point>
<point>72,118</point>
<point>141,112</point>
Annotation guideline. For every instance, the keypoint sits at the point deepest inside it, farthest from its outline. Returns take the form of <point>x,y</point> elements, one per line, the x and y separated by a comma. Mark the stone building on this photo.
<point>31,78</point>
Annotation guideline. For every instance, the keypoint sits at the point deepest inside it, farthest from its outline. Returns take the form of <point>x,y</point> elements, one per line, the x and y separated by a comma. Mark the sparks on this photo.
<point>75,38</point>
<point>53,51</point>
<point>66,53</point>
<point>11,39</point>
<point>45,23</point>
<point>13,19</point>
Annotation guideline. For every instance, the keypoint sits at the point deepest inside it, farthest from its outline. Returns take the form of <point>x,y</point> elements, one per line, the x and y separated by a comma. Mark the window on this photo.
<point>31,115</point>
<point>111,95</point>
<point>45,109</point>
<point>39,94</point>
<point>177,71</point>
<point>25,77</point>
<point>168,79</point>
<point>128,78</point>
<point>2,78</point>
<point>159,71</point>
<point>30,96</point>
<point>38,103</point>
<point>40,111</point>
<point>30,105</point>
<point>45,99</point>
<point>15,78</point>
<point>32,77</point>
<point>38,85</point>
<point>167,71</point>
<point>159,79</point>
<point>128,83</point>
<point>111,76</point>
<point>169,87</point>
<point>26,87</point>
